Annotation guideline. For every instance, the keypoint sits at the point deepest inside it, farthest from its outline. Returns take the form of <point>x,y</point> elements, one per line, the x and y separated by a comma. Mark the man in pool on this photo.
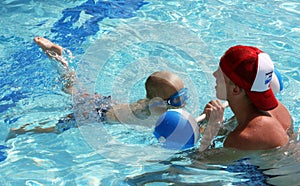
<point>164,90</point>
<point>243,79</point>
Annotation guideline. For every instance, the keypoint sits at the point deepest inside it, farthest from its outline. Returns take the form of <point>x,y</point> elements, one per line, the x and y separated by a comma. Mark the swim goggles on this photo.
<point>176,100</point>
<point>179,98</point>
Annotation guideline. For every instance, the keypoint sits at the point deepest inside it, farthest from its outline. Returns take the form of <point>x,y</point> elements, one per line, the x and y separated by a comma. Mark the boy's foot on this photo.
<point>14,132</point>
<point>11,134</point>
<point>52,50</point>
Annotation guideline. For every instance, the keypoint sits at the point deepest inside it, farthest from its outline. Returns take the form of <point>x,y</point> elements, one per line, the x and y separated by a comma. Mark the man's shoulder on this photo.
<point>264,125</point>
<point>282,114</point>
<point>261,132</point>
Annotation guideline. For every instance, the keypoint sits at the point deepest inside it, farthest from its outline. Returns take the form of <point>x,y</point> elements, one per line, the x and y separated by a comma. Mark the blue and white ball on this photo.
<point>177,129</point>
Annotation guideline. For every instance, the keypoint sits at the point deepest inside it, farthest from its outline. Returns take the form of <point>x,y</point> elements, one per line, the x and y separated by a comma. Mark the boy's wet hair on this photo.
<point>162,78</point>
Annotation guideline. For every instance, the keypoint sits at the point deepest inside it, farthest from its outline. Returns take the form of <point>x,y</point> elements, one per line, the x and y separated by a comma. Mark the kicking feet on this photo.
<point>14,132</point>
<point>54,51</point>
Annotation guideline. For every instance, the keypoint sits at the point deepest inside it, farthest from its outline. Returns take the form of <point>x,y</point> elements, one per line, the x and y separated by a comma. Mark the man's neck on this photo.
<point>243,110</point>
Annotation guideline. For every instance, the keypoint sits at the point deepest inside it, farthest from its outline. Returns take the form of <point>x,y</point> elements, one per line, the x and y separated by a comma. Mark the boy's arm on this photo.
<point>131,113</point>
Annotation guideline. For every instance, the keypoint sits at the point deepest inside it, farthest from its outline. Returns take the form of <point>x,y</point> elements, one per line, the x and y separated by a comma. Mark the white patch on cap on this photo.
<point>264,73</point>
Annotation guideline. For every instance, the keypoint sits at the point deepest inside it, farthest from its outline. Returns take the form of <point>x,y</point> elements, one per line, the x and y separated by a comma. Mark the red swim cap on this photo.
<point>251,69</point>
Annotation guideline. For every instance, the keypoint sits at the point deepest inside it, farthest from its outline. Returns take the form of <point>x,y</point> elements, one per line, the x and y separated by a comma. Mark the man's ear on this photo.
<point>237,90</point>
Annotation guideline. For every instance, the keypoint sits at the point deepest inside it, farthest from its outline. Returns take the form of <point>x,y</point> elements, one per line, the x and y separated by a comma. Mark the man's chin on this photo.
<point>221,97</point>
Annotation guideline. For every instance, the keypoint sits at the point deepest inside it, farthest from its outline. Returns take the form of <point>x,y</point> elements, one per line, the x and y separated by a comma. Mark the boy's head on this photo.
<point>167,86</point>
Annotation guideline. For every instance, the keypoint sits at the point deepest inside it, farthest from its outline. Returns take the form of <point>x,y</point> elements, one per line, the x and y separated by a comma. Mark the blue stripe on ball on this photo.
<point>176,129</point>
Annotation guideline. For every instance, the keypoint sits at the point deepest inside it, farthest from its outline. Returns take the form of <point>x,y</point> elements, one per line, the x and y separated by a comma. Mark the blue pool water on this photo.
<point>116,44</point>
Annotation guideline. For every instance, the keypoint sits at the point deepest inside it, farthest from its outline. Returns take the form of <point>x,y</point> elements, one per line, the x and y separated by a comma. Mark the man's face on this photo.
<point>221,84</point>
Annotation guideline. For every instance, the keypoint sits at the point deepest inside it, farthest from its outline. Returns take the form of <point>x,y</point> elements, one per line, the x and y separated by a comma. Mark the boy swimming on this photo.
<point>164,90</point>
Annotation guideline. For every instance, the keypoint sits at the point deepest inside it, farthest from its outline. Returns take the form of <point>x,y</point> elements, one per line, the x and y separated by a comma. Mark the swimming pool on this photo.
<point>113,43</point>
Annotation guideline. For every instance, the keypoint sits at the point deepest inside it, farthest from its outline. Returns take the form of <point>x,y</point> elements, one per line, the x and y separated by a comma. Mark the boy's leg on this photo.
<point>55,52</point>
<point>22,130</point>
<point>63,124</point>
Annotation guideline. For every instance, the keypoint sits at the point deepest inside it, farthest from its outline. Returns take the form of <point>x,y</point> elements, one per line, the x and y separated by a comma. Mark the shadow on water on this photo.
<point>2,154</point>
<point>228,166</point>
<point>71,31</point>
